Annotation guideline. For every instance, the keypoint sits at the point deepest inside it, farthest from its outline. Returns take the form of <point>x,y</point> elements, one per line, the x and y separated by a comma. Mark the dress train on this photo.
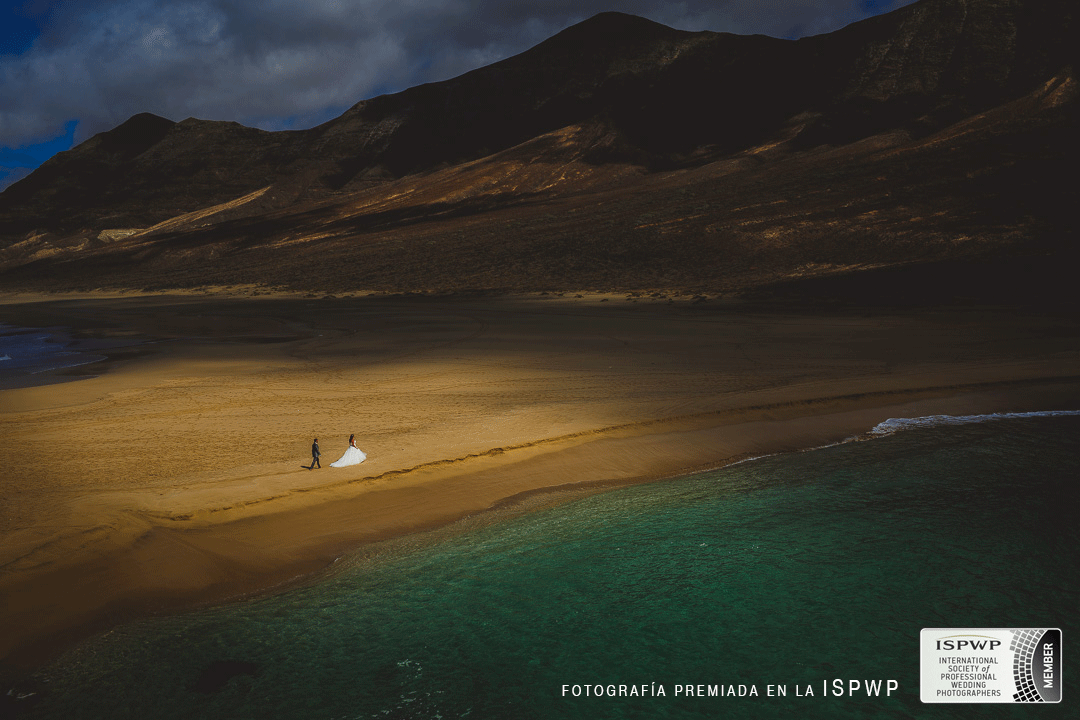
<point>352,456</point>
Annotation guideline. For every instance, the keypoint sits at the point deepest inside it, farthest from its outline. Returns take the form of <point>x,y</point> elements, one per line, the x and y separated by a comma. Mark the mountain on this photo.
<point>617,155</point>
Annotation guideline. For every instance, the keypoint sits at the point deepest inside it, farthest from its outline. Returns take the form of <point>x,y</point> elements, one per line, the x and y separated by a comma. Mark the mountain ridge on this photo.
<point>622,102</point>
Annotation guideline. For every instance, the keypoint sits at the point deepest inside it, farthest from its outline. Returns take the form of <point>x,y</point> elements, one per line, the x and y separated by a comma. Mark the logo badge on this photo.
<point>990,665</point>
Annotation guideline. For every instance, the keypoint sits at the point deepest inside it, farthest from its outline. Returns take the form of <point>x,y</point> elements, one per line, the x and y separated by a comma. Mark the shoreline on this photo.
<point>310,563</point>
<point>149,541</point>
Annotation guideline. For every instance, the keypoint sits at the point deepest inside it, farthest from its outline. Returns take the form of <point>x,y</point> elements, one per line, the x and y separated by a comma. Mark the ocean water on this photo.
<point>28,354</point>
<point>790,570</point>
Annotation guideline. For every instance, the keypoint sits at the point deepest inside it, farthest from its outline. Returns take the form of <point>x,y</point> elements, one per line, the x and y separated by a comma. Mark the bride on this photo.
<point>352,456</point>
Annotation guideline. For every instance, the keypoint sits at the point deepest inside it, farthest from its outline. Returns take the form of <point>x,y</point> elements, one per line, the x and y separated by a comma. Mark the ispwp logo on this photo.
<point>995,665</point>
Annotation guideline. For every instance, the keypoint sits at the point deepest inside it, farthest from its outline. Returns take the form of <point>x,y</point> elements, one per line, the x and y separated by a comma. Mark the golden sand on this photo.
<point>176,475</point>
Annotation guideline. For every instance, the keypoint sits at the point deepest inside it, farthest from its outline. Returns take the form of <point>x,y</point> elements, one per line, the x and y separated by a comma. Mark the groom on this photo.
<point>315,455</point>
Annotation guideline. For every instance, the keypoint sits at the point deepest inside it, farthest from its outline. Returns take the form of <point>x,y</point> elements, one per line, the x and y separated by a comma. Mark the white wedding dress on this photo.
<point>352,456</point>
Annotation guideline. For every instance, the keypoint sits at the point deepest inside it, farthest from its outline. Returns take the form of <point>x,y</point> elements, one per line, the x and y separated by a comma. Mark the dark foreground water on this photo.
<point>29,355</point>
<point>791,571</point>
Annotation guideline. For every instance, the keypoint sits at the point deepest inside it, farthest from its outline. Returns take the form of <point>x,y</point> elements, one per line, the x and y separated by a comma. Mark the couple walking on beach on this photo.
<point>353,455</point>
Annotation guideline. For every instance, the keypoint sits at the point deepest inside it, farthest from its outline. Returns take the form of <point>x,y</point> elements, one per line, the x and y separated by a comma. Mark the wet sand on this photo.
<point>174,474</point>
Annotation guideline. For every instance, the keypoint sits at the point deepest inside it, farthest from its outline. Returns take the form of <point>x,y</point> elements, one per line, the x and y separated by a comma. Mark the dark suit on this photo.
<point>315,455</point>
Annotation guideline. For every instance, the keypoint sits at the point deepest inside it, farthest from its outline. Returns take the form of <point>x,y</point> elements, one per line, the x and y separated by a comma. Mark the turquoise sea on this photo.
<point>792,570</point>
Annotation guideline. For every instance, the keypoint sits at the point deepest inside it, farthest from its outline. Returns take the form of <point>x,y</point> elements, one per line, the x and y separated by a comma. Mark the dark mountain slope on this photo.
<point>618,154</point>
<point>198,163</point>
<point>933,63</point>
<point>956,210</point>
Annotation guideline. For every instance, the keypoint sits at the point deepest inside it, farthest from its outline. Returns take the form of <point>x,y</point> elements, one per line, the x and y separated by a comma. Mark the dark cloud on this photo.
<point>293,63</point>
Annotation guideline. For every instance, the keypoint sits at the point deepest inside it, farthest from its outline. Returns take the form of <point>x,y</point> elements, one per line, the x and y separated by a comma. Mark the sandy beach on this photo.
<point>173,474</point>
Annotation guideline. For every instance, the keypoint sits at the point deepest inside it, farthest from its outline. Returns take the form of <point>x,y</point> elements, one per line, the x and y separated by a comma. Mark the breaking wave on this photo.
<point>893,425</point>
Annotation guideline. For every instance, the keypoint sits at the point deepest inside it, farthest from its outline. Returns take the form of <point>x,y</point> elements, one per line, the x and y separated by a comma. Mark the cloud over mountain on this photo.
<point>294,63</point>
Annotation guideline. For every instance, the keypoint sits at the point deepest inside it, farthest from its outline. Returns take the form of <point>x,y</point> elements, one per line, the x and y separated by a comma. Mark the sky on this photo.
<point>70,69</point>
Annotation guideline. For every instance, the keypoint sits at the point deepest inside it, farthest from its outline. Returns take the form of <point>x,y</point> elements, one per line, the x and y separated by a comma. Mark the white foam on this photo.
<point>893,425</point>
<point>897,424</point>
